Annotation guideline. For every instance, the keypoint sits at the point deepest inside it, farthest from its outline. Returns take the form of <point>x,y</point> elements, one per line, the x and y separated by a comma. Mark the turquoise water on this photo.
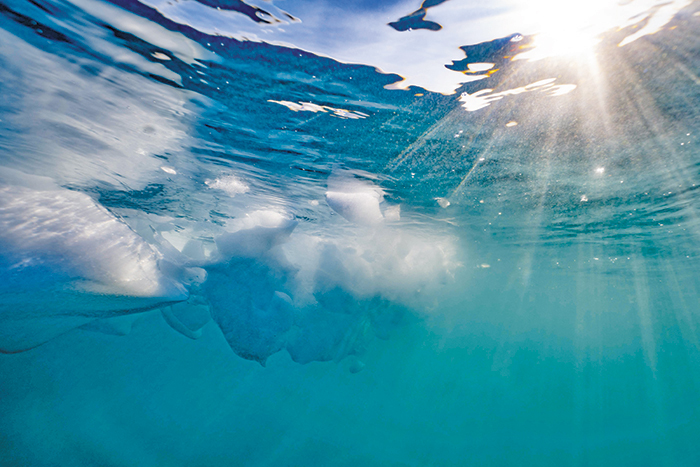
<point>402,234</point>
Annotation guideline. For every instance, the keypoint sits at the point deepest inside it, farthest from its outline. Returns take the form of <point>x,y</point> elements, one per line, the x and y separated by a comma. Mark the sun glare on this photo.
<point>572,28</point>
<point>564,29</point>
<point>559,43</point>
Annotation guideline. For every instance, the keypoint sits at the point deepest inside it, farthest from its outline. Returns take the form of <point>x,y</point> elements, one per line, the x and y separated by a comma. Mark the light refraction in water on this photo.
<point>323,233</point>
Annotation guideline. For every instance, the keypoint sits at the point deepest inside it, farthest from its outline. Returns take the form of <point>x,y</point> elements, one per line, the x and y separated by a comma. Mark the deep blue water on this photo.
<point>230,234</point>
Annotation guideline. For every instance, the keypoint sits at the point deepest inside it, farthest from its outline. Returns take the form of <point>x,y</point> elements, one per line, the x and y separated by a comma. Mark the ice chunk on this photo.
<point>358,208</point>
<point>259,232</point>
<point>66,231</point>
<point>355,200</point>
<point>443,202</point>
<point>118,326</point>
<point>245,283</point>
<point>256,317</point>
<point>356,366</point>
<point>187,318</point>
<point>67,261</point>
<point>324,336</point>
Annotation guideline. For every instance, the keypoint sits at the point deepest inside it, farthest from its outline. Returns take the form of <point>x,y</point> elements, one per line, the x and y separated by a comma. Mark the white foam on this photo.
<point>393,263</point>
<point>230,184</point>
<point>393,213</point>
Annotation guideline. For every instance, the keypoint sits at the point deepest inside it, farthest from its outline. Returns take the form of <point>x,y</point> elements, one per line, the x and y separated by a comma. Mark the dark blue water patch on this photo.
<point>416,20</point>
<point>256,14</point>
<point>41,29</point>
<point>154,198</point>
<point>499,52</point>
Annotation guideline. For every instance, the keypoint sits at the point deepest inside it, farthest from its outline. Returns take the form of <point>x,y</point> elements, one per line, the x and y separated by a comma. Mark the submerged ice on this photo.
<point>64,256</point>
<point>67,262</point>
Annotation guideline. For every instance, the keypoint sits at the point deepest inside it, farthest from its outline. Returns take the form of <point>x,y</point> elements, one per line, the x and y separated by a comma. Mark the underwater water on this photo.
<point>334,233</point>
